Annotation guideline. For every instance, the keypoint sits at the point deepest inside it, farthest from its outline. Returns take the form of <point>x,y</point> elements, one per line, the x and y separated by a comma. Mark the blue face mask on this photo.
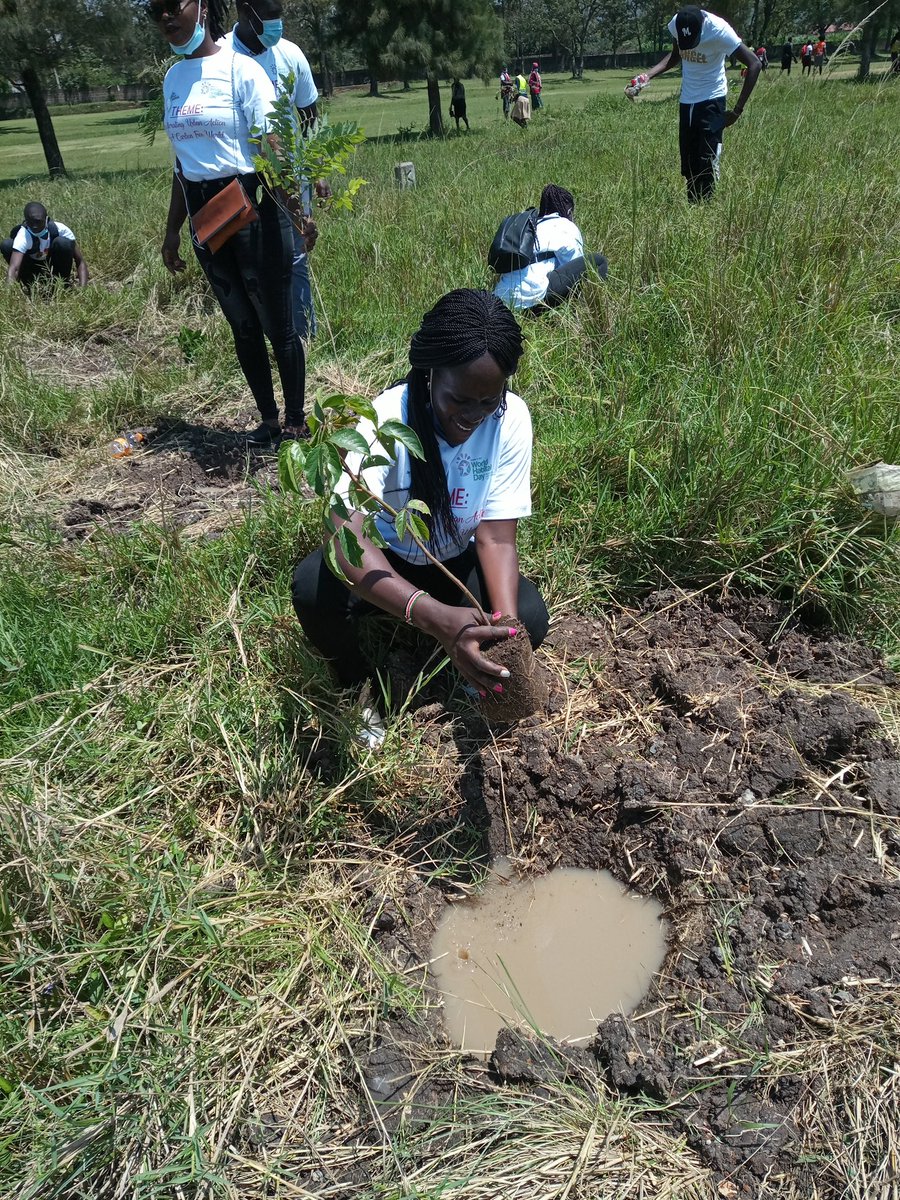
<point>192,44</point>
<point>40,233</point>
<point>272,32</point>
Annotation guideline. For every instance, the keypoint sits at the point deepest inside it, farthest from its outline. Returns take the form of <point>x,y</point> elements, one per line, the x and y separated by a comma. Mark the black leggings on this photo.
<point>329,612</point>
<point>563,281</point>
<point>251,277</point>
<point>700,140</point>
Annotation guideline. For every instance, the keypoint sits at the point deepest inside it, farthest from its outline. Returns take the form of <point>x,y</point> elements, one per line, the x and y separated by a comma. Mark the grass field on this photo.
<point>183,946</point>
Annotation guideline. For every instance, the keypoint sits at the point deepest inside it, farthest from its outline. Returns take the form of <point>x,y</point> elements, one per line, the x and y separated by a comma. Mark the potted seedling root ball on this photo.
<point>320,465</point>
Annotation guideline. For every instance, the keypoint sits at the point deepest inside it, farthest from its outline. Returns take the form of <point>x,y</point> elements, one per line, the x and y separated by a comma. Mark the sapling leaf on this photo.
<point>350,546</point>
<point>292,462</point>
<point>419,528</point>
<point>400,524</point>
<point>350,439</point>
<point>332,467</point>
<point>363,407</point>
<point>418,506</point>
<point>373,533</point>
<point>375,460</point>
<point>403,434</point>
<point>339,507</point>
<point>331,560</point>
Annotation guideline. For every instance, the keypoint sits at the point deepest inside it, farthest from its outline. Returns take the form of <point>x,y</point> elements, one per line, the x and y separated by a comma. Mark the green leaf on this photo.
<point>372,532</point>
<point>375,460</point>
<point>363,408</point>
<point>350,439</point>
<point>331,559</point>
<point>292,465</point>
<point>332,467</point>
<point>350,545</point>
<point>403,434</point>
<point>400,524</point>
<point>419,528</point>
<point>418,506</point>
<point>339,507</point>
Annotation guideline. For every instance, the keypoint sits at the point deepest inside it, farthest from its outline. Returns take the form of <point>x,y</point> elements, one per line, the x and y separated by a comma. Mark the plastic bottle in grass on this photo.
<point>126,443</point>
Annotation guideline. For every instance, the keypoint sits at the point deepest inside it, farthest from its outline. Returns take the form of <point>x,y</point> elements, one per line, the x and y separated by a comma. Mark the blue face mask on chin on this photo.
<point>272,32</point>
<point>193,43</point>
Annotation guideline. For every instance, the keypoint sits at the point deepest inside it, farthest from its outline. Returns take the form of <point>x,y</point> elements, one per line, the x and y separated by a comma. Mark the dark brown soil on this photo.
<point>740,771</point>
<point>189,476</point>
<point>526,691</point>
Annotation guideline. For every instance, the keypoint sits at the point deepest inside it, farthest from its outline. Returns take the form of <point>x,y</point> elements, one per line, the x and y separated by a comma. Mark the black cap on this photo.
<point>688,26</point>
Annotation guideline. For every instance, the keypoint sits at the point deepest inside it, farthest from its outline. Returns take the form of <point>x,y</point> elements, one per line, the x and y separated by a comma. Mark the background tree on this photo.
<point>311,24</point>
<point>368,28</point>
<point>39,36</point>
<point>430,37</point>
<point>575,23</point>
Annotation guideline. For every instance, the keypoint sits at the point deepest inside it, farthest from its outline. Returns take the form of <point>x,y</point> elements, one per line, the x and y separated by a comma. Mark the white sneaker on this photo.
<point>372,730</point>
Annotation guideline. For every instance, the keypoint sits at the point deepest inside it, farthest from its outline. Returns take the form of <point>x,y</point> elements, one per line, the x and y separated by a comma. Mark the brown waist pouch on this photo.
<point>221,217</point>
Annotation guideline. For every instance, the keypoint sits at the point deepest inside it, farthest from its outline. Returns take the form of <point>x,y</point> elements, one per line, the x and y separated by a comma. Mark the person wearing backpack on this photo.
<point>540,255</point>
<point>41,248</point>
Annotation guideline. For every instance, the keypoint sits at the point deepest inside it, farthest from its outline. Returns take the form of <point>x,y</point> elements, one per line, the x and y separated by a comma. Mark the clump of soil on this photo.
<point>193,477</point>
<point>740,771</point>
<point>526,691</point>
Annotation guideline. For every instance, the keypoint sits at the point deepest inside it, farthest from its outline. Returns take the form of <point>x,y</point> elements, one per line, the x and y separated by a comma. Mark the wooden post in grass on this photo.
<point>405,175</point>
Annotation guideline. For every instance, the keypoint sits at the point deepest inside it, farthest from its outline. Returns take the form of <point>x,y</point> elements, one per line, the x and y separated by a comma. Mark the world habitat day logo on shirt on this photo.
<point>478,468</point>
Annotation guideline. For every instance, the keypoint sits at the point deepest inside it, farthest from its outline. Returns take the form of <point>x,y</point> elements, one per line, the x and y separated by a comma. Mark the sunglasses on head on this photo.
<point>157,9</point>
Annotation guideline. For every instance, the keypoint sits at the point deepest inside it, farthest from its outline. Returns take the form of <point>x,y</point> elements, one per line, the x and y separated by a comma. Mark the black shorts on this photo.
<point>459,109</point>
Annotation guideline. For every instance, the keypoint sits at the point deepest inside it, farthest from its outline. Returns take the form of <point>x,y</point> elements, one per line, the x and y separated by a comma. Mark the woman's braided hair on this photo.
<point>556,199</point>
<point>217,19</point>
<point>462,326</point>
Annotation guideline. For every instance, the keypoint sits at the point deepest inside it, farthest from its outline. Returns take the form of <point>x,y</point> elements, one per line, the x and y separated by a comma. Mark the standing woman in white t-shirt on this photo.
<point>701,42</point>
<point>213,100</point>
<point>476,480</point>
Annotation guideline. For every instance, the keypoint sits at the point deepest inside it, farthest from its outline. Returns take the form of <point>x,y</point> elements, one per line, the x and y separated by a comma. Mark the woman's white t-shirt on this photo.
<point>488,476</point>
<point>211,105</point>
<point>703,68</point>
<point>528,286</point>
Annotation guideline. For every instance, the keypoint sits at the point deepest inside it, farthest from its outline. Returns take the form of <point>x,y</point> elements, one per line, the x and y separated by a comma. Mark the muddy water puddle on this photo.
<point>558,953</point>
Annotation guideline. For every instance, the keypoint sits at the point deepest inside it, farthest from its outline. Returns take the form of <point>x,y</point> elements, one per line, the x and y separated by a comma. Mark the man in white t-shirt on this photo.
<point>41,247</point>
<point>258,34</point>
<point>701,42</point>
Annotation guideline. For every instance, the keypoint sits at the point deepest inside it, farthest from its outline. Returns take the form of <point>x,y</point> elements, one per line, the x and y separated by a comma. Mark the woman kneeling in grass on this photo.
<point>475,479</point>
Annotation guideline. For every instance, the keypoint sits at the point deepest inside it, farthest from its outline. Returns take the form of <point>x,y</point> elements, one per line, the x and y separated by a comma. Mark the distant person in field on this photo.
<point>701,43</point>
<point>475,479</point>
<point>806,57</point>
<point>213,100</point>
<point>788,55</point>
<point>895,51</point>
<point>560,262</point>
<point>820,49</point>
<point>521,112</point>
<point>763,55</point>
<point>42,249</point>
<point>258,34</point>
<point>458,103</point>
<point>507,92</point>
<point>535,85</point>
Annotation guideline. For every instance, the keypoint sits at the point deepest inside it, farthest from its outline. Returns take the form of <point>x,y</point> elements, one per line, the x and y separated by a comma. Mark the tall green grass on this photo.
<point>183,902</point>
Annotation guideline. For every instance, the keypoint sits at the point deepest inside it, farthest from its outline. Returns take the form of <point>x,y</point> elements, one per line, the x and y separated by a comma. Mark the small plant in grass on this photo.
<point>321,463</point>
<point>294,152</point>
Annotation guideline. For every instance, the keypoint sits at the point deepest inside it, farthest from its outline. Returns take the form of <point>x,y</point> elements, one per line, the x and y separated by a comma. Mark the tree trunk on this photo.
<point>435,116</point>
<point>34,90</point>
<point>868,45</point>
<point>406,86</point>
